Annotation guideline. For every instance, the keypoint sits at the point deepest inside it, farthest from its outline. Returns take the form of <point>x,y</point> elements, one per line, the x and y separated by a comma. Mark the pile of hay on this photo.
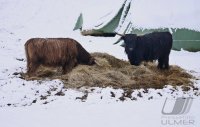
<point>116,73</point>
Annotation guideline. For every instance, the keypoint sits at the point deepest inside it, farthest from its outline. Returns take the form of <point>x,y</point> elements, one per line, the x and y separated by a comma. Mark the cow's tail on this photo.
<point>27,53</point>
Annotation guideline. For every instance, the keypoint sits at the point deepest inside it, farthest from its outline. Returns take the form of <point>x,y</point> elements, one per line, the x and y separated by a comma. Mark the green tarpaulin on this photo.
<point>108,29</point>
<point>182,38</point>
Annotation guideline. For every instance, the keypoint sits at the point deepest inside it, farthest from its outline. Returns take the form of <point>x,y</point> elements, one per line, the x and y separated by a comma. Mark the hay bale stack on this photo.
<point>116,73</point>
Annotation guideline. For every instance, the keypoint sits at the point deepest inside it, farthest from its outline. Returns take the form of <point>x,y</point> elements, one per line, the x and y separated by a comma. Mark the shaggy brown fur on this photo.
<point>64,52</point>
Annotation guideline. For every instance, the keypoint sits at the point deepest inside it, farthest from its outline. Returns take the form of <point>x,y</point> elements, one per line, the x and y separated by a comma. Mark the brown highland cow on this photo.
<point>54,52</point>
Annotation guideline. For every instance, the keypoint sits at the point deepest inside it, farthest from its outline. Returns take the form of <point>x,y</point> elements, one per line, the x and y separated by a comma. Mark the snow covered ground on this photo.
<point>23,103</point>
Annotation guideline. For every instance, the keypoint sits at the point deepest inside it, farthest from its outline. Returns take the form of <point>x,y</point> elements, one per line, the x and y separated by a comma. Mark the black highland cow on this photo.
<point>149,47</point>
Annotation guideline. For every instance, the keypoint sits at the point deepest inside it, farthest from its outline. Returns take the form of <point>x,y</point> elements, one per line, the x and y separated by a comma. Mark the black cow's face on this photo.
<point>130,42</point>
<point>135,57</point>
<point>134,54</point>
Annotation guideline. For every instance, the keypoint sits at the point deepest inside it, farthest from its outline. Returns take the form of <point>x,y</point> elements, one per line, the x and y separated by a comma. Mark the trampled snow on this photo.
<point>20,101</point>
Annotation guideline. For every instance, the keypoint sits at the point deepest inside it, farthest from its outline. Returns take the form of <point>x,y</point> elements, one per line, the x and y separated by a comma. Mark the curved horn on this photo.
<point>120,34</point>
<point>118,41</point>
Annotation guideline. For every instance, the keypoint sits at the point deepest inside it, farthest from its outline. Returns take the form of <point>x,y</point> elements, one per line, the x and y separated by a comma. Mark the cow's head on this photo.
<point>91,61</point>
<point>130,41</point>
<point>86,59</point>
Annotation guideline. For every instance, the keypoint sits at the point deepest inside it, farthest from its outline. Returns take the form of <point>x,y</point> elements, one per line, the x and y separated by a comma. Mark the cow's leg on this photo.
<point>32,67</point>
<point>166,62</point>
<point>160,63</point>
<point>28,67</point>
<point>69,66</point>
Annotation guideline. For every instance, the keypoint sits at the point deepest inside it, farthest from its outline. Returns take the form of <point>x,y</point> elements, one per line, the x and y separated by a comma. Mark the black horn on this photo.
<point>120,34</point>
<point>118,41</point>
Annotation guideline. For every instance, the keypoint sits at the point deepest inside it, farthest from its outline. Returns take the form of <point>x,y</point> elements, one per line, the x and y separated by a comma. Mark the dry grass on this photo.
<point>116,73</point>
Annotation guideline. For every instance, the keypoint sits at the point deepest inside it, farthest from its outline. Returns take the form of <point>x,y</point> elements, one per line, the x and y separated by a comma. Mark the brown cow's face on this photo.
<point>92,61</point>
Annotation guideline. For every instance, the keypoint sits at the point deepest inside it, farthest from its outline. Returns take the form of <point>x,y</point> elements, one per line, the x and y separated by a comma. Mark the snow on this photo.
<point>170,13</point>
<point>22,19</point>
